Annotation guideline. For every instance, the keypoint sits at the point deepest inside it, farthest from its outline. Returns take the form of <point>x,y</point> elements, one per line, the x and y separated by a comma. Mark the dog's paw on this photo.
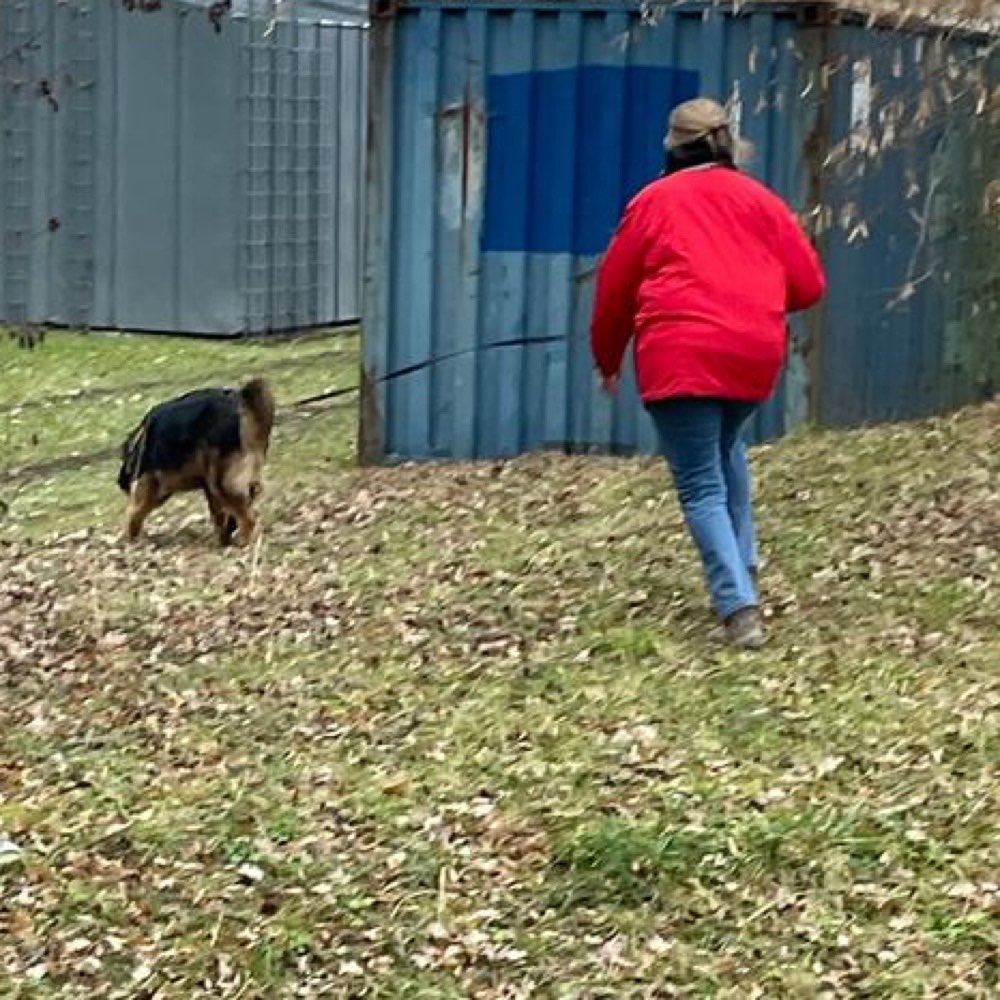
<point>248,537</point>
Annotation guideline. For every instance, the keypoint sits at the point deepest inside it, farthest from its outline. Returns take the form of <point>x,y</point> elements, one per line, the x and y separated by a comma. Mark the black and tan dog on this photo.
<point>214,440</point>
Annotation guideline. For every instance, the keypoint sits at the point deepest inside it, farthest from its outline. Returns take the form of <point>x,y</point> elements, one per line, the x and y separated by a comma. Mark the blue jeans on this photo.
<point>701,439</point>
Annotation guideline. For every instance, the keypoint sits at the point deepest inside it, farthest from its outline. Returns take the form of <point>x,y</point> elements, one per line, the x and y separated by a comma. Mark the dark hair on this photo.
<point>698,154</point>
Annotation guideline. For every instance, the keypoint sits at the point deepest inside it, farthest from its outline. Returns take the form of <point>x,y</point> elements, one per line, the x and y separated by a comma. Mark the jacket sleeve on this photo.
<point>615,304</point>
<point>804,278</point>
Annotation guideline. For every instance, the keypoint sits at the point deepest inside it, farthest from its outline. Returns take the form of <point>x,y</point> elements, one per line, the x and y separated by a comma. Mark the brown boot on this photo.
<point>745,629</point>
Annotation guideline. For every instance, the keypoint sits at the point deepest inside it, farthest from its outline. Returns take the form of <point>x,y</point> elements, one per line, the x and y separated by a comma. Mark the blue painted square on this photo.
<point>566,149</point>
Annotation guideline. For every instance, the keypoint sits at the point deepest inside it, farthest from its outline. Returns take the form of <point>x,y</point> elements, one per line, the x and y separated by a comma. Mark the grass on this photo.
<point>456,731</point>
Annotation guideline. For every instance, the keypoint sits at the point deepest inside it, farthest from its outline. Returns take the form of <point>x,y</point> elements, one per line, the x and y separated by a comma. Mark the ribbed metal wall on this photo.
<point>48,57</point>
<point>506,141</point>
<point>507,136</point>
<point>912,323</point>
<point>156,174</point>
<point>304,139</point>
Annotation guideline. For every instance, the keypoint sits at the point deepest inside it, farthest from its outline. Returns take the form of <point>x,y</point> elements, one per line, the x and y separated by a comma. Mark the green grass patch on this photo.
<point>460,731</point>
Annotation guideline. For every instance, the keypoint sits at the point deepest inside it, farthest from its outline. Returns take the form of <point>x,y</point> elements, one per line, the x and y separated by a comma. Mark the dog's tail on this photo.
<point>260,406</point>
<point>131,456</point>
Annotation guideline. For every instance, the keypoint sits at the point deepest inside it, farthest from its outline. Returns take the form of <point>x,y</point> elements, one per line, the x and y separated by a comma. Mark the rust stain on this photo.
<point>466,120</point>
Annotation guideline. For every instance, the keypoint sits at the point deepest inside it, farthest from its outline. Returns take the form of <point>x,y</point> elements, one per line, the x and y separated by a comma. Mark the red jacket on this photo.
<point>703,269</point>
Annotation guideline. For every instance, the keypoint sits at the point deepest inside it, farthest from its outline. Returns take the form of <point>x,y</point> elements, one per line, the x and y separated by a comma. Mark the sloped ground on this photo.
<point>458,732</point>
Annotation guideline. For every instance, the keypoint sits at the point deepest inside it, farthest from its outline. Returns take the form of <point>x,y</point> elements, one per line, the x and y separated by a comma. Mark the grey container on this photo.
<point>507,136</point>
<point>158,174</point>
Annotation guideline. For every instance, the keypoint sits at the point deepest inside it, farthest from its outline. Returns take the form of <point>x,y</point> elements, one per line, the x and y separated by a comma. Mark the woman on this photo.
<point>703,270</point>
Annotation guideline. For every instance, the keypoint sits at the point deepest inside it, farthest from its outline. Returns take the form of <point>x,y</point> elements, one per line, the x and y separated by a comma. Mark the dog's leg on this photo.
<point>247,520</point>
<point>143,499</point>
<point>249,525</point>
<point>225,523</point>
<point>240,484</point>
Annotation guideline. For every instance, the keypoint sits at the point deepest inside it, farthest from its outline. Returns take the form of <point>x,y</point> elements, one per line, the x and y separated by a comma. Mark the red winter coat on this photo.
<point>703,269</point>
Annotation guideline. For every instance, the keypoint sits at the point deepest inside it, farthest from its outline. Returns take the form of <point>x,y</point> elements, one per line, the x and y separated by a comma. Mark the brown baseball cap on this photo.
<point>694,120</point>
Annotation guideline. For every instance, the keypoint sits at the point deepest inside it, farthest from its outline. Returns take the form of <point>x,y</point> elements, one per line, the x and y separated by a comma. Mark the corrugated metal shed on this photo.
<point>911,323</point>
<point>507,136</point>
<point>507,140</point>
<point>159,174</point>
